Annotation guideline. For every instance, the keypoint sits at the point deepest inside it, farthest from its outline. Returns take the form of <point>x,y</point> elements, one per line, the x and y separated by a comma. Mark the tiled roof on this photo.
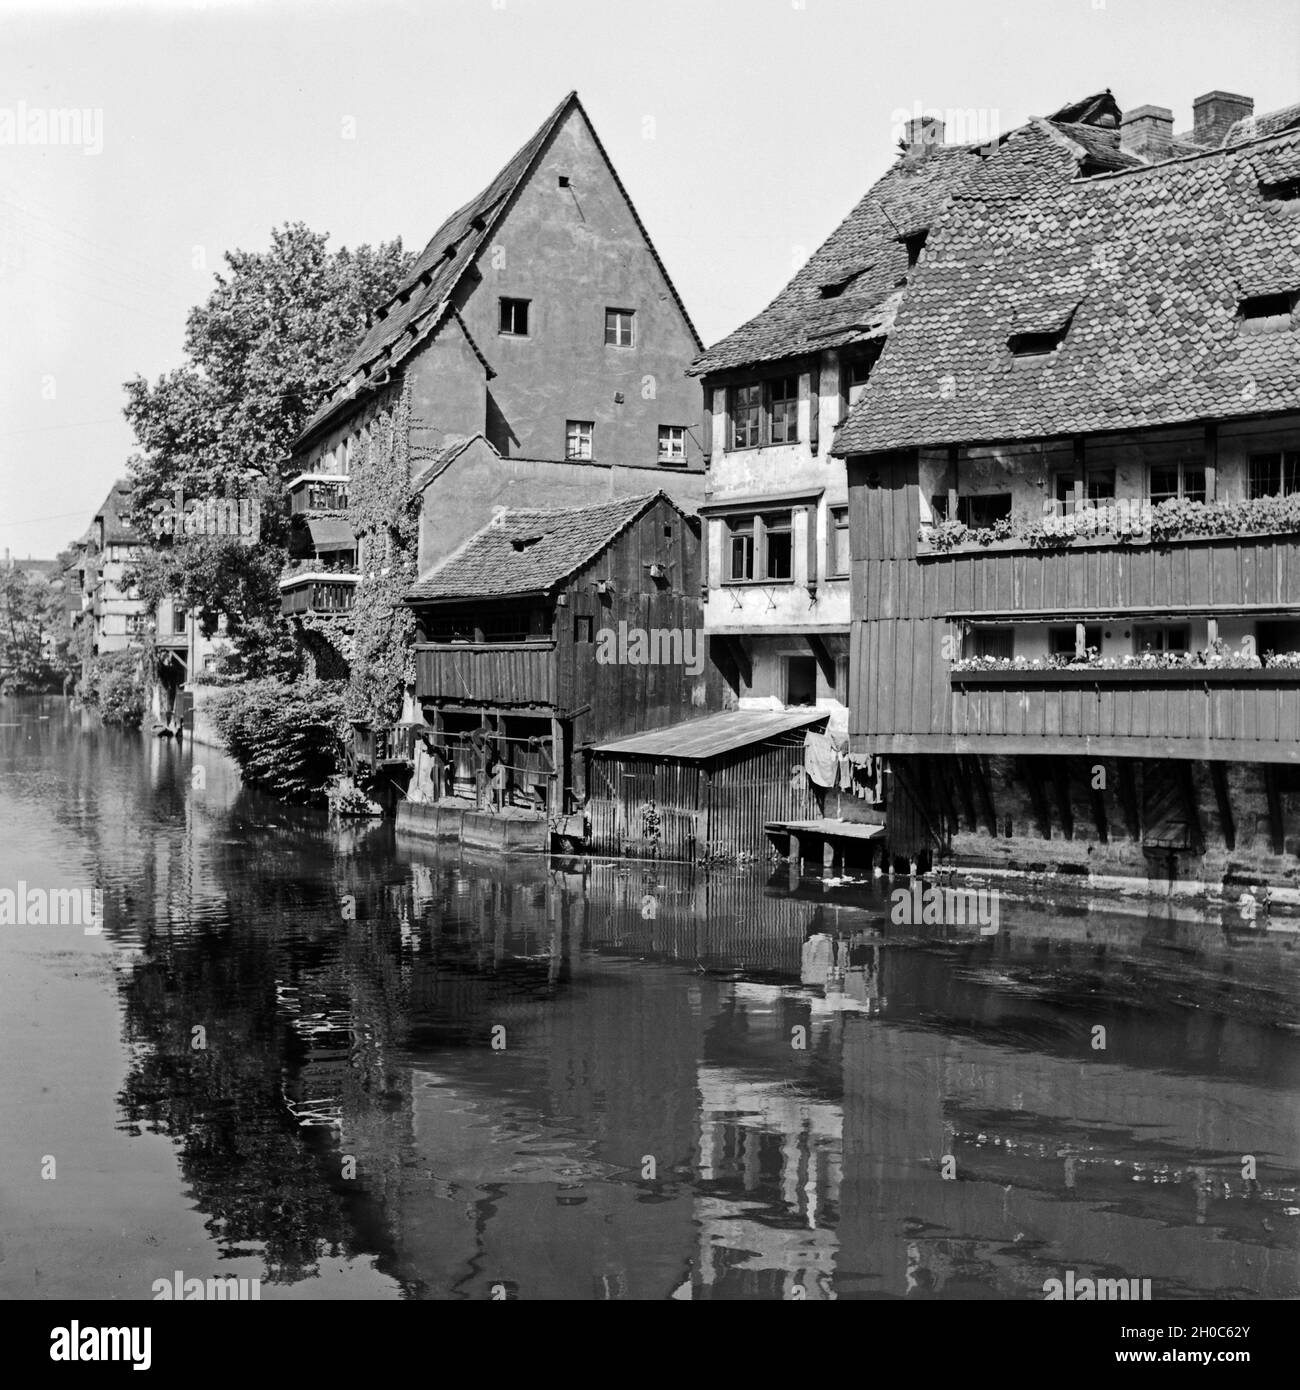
<point>800,318</point>
<point>425,298</point>
<point>1270,123</point>
<point>114,511</point>
<point>1157,260</point>
<point>525,550</point>
<point>910,197</point>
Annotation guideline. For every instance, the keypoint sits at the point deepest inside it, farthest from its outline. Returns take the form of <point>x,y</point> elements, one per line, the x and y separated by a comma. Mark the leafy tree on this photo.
<point>34,634</point>
<point>261,352</point>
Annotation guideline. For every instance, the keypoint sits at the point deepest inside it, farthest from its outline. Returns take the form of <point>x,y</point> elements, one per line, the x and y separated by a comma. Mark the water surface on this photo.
<point>357,1066</point>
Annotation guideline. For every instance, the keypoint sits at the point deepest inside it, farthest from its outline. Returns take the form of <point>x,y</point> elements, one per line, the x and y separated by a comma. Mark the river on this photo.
<point>349,1065</point>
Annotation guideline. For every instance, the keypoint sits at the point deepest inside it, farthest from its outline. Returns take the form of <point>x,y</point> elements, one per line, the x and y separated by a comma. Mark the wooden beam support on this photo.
<point>706,433</point>
<point>962,774</point>
<point>913,792</point>
<point>1042,813</point>
<point>825,661</point>
<point>1190,805</point>
<point>1211,460</point>
<point>1098,798</point>
<point>1128,798</point>
<point>1061,781</point>
<point>980,775</point>
<point>1219,776</point>
<point>1273,788</point>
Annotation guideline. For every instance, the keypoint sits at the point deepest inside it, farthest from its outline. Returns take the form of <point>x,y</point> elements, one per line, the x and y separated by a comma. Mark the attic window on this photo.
<point>563,180</point>
<point>523,542</point>
<point>478,224</point>
<point>1280,190</point>
<point>1268,313</point>
<point>834,288</point>
<point>1035,344</point>
<point>915,243</point>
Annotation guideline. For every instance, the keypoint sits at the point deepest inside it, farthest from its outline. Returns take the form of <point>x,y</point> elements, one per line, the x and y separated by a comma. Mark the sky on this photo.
<point>744,131</point>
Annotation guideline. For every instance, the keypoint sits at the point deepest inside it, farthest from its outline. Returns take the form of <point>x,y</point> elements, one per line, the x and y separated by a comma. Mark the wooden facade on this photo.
<point>913,604</point>
<point>578,670</point>
<point>703,809</point>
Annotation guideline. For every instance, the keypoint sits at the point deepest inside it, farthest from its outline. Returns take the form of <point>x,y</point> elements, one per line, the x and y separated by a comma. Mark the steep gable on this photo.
<point>456,259</point>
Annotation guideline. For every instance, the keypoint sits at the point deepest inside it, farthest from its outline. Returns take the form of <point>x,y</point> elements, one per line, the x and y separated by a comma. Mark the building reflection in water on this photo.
<point>684,1099</point>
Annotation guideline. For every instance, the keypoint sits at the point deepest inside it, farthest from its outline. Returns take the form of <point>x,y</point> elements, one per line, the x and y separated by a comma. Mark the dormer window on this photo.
<point>1280,190</point>
<point>832,289</point>
<point>1035,344</point>
<point>1268,313</point>
<point>915,244</point>
<point>1039,329</point>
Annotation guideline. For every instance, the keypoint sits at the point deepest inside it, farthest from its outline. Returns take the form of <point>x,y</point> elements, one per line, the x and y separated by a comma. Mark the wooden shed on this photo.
<point>701,789</point>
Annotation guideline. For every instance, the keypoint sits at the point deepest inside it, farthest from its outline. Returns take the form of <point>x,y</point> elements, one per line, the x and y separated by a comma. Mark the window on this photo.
<point>765,412</point>
<point>783,404</point>
<point>996,642</point>
<point>1060,640</point>
<point>577,439</point>
<point>760,548</point>
<point>837,561</point>
<point>672,443</point>
<point>779,547</point>
<point>135,625</point>
<point>581,628</point>
<point>1185,480</point>
<point>178,619</point>
<point>1267,313</point>
<point>977,512</point>
<point>800,680</point>
<point>915,244</point>
<point>1036,344</point>
<point>1275,475</point>
<point>856,372</point>
<point>742,550</point>
<point>1098,487</point>
<point>618,327</point>
<point>746,415</point>
<point>1160,637</point>
<point>514,317</point>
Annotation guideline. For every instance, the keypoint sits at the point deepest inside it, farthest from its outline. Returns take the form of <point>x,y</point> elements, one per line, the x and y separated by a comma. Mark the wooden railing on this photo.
<point>1238,714</point>
<point>516,673</point>
<point>318,596</point>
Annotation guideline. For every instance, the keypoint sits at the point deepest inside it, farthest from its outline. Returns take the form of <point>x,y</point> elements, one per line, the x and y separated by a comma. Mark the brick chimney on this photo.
<point>1147,131</point>
<point>1215,112</point>
<point>922,132</point>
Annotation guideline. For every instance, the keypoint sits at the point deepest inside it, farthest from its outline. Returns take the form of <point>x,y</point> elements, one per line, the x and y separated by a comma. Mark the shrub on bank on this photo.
<point>114,686</point>
<point>287,739</point>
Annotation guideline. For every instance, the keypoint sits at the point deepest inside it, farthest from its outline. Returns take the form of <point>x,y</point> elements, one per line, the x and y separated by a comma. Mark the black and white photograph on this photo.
<point>650,652</point>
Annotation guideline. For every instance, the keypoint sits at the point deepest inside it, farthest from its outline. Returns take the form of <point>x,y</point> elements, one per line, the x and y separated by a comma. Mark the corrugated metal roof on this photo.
<point>713,734</point>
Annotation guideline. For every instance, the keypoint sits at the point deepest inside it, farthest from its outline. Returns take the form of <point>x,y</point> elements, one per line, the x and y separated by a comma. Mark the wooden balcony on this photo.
<point>504,673</point>
<point>1104,578</point>
<point>315,593</point>
<point>1212,714</point>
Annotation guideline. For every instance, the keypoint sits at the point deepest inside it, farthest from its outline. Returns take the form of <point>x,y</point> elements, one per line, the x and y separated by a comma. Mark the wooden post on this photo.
<point>1211,460</point>
<point>558,762</point>
<point>1219,776</point>
<point>1080,640</point>
<point>814,406</point>
<point>795,865</point>
<point>706,432</point>
<point>1079,467</point>
<point>952,482</point>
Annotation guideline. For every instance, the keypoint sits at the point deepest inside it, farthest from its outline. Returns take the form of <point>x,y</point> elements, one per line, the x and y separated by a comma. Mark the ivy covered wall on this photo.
<point>384,515</point>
